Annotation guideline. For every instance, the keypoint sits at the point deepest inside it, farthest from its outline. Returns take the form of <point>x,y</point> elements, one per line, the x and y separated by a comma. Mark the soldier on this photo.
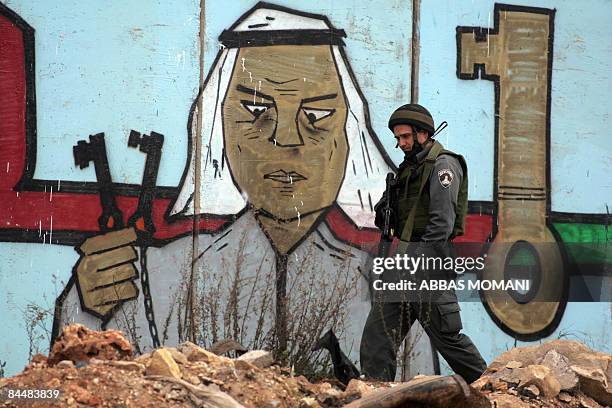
<point>430,201</point>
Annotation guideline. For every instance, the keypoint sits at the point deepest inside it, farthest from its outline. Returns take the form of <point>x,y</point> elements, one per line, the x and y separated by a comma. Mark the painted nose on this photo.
<point>286,133</point>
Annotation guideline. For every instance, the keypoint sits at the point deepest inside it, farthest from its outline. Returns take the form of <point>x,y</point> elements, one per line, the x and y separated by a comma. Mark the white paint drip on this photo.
<point>298,216</point>
<point>489,37</point>
<point>51,194</point>
<point>51,231</point>
<point>243,67</point>
<point>8,165</point>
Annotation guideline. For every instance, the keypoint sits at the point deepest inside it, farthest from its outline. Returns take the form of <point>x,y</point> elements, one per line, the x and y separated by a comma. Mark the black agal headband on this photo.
<point>261,32</point>
<point>240,39</point>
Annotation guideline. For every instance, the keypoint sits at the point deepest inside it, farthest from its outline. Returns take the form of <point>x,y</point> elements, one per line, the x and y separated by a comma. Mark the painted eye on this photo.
<point>315,115</point>
<point>255,109</point>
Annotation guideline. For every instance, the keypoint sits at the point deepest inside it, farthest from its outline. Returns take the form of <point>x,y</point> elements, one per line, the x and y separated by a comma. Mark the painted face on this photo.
<point>284,120</point>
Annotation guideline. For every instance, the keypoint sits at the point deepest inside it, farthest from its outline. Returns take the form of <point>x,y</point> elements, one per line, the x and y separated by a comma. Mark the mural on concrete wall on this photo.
<point>288,173</point>
<point>266,236</point>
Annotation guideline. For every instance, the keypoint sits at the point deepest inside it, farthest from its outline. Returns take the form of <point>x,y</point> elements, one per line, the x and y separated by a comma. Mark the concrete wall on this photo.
<point>74,69</point>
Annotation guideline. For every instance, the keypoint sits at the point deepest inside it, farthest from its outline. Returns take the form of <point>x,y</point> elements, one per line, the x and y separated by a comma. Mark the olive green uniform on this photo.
<point>429,208</point>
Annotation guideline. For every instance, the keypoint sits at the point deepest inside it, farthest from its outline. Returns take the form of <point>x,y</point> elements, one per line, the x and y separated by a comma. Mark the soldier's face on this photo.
<point>405,135</point>
<point>284,120</point>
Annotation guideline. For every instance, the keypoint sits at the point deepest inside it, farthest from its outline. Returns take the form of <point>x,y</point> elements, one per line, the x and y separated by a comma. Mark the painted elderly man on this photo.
<point>287,151</point>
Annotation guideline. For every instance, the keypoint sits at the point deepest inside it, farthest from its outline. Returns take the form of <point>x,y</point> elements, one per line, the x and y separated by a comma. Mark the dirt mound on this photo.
<point>96,369</point>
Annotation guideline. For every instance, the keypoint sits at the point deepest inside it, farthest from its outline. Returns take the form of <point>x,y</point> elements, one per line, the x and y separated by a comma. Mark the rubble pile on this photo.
<point>556,373</point>
<point>98,369</point>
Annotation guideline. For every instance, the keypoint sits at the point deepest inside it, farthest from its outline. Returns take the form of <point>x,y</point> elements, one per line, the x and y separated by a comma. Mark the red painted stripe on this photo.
<point>12,104</point>
<point>478,228</point>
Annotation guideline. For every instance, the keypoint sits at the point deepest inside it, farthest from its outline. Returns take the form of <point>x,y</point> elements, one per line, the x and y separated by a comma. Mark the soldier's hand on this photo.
<point>106,272</point>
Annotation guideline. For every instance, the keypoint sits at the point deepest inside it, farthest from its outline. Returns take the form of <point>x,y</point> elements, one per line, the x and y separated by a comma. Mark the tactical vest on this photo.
<point>413,197</point>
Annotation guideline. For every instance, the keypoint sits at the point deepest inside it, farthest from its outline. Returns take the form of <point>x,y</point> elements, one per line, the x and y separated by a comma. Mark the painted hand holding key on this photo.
<point>105,271</point>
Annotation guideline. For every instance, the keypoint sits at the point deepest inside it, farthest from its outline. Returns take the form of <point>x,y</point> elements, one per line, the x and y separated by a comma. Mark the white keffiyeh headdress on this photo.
<point>268,25</point>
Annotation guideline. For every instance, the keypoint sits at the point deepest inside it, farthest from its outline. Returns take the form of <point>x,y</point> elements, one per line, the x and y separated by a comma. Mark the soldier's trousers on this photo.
<point>388,323</point>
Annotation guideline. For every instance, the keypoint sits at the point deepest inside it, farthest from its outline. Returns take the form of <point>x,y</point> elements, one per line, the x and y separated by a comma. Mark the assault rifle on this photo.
<point>386,238</point>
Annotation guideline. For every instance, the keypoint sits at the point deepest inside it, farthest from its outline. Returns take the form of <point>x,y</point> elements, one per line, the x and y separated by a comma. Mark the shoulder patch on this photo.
<point>446,177</point>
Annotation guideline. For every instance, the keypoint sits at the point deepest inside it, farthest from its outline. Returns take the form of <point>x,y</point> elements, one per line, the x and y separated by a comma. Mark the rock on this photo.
<point>560,367</point>
<point>80,394</point>
<point>192,379</point>
<point>78,343</point>
<point>128,366</point>
<point>587,402</point>
<point>356,388</point>
<point>503,386</point>
<point>329,396</point>
<point>143,359</point>
<point>531,391</point>
<point>505,375</point>
<point>564,396</point>
<point>481,383</point>
<point>39,359</point>
<point>593,382</point>
<point>65,364</point>
<point>259,358</point>
<point>576,353</point>
<point>163,364</point>
<point>177,355</point>
<point>244,365</point>
<point>593,359</point>
<point>538,375</point>
<point>514,364</point>
<point>193,352</point>
<point>507,401</point>
<point>308,402</point>
<point>226,345</point>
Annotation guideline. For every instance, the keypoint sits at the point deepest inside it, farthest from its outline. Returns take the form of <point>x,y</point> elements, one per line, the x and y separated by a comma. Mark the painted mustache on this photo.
<point>282,176</point>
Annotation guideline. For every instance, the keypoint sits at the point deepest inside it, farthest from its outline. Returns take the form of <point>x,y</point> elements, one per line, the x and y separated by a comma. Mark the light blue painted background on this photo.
<point>110,67</point>
<point>95,72</point>
<point>581,159</point>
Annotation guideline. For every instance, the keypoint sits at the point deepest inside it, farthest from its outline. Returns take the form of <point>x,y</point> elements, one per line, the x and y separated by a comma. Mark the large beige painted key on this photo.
<point>517,56</point>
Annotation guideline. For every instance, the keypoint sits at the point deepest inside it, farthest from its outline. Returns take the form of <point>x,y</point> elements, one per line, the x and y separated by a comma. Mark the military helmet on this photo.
<point>412,114</point>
